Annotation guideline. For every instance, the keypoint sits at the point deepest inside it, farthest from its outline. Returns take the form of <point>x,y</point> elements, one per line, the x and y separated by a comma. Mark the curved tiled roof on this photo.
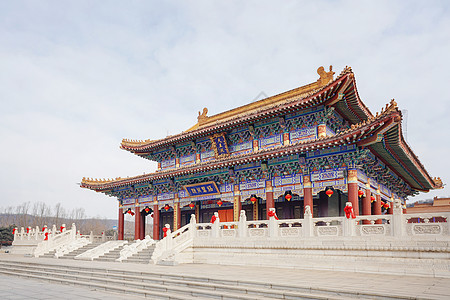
<point>364,134</point>
<point>273,106</point>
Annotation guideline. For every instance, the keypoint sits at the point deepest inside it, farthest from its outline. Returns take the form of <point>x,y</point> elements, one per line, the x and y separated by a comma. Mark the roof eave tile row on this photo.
<point>312,99</point>
<point>349,136</point>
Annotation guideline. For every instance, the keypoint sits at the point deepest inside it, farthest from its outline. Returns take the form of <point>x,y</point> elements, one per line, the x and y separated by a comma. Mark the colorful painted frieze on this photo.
<point>207,155</point>
<point>287,180</point>
<point>251,185</point>
<point>168,164</point>
<point>187,160</point>
<point>165,196</point>
<point>304,134</point>
<point>270,142</point>
<point>242,148</point>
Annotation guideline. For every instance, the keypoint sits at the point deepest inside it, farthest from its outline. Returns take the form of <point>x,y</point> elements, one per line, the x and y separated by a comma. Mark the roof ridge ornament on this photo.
<point>325,77</point>
<point>202,117</point>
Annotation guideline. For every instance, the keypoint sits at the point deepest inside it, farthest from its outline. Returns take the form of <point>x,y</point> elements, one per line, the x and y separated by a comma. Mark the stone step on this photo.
<point>184,285</point>
<point>111,255</point>
<point>141,289</point>
<point>106,287</point>
<point>50,254</point>
<point>76,252</point>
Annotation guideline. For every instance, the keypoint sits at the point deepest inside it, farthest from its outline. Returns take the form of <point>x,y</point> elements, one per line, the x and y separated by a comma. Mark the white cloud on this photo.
<point>79,77</point>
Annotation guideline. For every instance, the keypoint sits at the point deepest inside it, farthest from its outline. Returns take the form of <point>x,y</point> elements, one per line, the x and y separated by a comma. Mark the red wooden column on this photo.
<point>307,194</point>
<point>237,203</point>
<point>142,230</point>
<point>155,220</point>
<point>352,183</point>
<point>366,203</point>
<point>391,206</point>
<point>377,206</point>
<point>270,203</point>
<point>176,213</point>
<point>137,221</point>
<point>120,226</point>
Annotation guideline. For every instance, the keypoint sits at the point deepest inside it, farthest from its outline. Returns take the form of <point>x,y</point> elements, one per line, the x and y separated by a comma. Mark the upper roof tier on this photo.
<point>381,134</point>
<point>325,91</point>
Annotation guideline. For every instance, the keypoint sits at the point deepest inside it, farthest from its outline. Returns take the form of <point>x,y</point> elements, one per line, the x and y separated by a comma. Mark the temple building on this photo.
<point>317,145</point>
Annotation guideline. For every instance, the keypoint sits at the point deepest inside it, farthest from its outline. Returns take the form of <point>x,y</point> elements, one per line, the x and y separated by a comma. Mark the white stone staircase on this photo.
<point>142,257</point>
<point>72,254</point>
<point>169,286</point>
<point>101,250</point>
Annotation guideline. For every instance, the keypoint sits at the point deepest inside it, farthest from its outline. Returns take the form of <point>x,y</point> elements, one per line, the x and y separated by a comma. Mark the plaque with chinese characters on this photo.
<point>219,145</point>
<point>202,189</point>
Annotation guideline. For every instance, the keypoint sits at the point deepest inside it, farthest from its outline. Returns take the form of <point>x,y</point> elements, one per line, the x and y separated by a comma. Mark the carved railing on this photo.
<point>55,240</point>
<point>398,225</point>
<point>100,250</point>
<point>137,246</point>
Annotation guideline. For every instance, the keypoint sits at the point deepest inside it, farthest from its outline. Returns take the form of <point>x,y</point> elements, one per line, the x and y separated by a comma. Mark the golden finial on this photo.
<point>202,117</point>
<point>325,77</point>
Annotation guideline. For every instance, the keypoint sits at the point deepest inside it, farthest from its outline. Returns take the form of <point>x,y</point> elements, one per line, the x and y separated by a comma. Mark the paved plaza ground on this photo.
<point>12,287</point>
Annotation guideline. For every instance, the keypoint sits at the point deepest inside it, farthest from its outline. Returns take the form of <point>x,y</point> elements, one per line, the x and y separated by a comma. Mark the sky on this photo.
<point>76,77</point>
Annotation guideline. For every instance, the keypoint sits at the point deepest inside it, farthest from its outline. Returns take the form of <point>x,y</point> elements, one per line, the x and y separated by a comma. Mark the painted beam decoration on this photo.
<point>202,189</point>
<point>219,145</point>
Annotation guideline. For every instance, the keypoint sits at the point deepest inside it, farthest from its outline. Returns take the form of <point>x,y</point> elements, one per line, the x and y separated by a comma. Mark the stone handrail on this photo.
<point>167,249</point>
<point>100,250</point>
<point>71,246</point>
<point>129,250</point>
<point>396,225</point>
<point>55,240</point>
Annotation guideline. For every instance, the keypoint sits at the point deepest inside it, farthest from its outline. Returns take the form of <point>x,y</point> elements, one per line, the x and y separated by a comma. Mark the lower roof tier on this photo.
<point>375,146</point>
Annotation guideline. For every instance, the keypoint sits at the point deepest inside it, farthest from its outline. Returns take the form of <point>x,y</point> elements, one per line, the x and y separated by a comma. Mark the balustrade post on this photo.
<point>242,225</point>
<point>215,226</point>
<point>73,234</point>
<point>36,237</point>
<point>273,224</point>
<point>308,225</point>
<point>192,226</point>
<point>349,224</point>
<point>398,224</point>
<point>168,238</point>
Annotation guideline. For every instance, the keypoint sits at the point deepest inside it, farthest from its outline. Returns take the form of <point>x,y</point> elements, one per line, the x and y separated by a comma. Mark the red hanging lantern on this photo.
<point>288,197</point>
<point>372,198</point>
<point>147,209</point>
<point>219,202</point>
<point>360,193</point>
<point>253,199</point>
<point>191,205</point>
<point>166,207</point>
<point>329,193</point>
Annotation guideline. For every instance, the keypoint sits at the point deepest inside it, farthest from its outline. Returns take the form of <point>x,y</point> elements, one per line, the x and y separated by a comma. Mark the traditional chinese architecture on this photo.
<point>317,145</point>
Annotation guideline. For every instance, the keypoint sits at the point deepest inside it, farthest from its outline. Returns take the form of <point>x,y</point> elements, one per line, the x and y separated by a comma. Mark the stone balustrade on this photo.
<point>365,232</point>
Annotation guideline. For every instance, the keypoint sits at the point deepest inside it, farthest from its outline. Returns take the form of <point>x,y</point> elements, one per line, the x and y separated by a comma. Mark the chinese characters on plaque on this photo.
<point>219,145</point>
<point>202,189</point>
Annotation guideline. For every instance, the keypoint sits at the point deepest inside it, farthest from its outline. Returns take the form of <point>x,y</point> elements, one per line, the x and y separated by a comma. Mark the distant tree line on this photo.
<point>40,214</point>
